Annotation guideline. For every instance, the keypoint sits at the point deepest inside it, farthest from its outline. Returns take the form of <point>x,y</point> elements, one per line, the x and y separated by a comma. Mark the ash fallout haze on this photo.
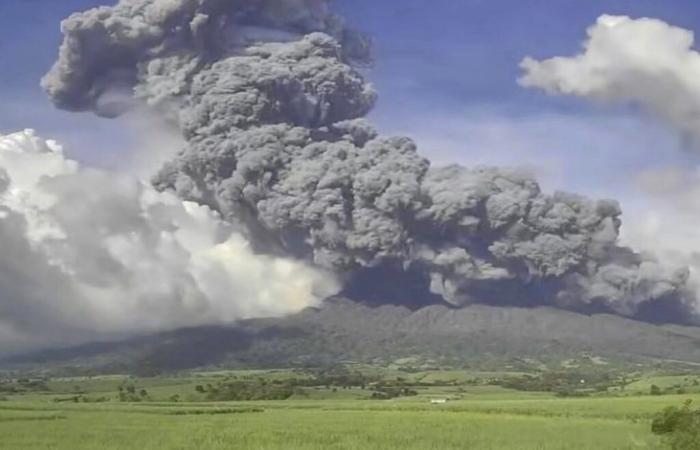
<point>265,181</point>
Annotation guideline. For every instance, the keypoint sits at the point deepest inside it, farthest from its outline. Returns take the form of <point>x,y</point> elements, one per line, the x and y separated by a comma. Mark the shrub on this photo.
<point>679,426</point>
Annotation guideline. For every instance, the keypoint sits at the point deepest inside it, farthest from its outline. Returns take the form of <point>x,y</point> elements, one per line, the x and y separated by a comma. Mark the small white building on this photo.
<point>438,401</point>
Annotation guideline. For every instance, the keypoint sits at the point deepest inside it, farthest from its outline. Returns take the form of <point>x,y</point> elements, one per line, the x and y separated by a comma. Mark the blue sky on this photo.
<point>446,71</point>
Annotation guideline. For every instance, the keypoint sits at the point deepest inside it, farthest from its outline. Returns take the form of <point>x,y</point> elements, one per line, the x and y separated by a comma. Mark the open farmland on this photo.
<point>328,412</point>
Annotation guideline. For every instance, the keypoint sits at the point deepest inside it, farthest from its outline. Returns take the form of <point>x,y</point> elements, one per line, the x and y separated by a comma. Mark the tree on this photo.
<point>655,390</point>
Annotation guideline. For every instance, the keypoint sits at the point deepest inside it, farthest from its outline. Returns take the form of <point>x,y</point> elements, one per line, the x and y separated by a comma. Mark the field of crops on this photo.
<point>321,418</point>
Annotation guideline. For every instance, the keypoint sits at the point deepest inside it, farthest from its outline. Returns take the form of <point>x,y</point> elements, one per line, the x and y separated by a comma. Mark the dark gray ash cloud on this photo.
<point>270,98</point>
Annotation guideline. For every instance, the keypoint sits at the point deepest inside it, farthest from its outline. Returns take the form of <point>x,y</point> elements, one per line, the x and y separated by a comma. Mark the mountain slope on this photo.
<point>342,330</point>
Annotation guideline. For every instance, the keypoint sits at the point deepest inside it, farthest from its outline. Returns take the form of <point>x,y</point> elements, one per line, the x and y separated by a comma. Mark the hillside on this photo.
<point>342,330</point>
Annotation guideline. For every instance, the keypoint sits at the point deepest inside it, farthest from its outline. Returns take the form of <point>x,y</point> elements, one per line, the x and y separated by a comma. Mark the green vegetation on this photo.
<point>680,426</point>
<point>573,407</point>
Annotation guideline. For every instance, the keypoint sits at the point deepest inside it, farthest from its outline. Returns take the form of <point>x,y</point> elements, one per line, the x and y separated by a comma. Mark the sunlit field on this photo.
<point>311,426</point>
<point>173,413</point>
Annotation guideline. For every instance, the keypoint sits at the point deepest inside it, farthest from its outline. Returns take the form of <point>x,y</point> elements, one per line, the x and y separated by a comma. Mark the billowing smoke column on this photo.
<point>270,100</point>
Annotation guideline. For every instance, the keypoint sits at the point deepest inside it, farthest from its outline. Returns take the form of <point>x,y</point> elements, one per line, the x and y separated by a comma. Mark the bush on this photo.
<point>680,427</point>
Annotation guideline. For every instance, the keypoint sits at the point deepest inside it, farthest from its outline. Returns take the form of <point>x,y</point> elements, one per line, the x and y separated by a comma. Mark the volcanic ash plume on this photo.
<point>270,98</point>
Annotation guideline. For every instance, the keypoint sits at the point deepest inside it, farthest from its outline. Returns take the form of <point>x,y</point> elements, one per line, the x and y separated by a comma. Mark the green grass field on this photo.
<point>476,416</point>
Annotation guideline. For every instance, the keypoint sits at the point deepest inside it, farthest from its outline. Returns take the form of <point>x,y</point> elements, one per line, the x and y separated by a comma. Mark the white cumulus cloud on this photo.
<point>89,254</point>
<point>644,62</point>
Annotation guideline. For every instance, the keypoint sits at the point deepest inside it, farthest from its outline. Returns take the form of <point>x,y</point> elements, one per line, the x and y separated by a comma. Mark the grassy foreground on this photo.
<point>297,427</point>
<point>475,416</point>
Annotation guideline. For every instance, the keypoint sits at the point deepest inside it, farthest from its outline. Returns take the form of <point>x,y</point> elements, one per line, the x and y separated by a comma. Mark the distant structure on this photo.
<point>438,401</point>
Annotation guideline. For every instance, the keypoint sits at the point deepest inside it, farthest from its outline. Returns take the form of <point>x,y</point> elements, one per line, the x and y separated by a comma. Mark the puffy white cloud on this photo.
<point>91,254</point>
<point>645,62</point>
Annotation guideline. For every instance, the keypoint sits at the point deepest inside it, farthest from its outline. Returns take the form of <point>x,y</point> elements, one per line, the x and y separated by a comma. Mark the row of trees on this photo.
<point>236,390</point>
<point>249,388</point>
<point>563,382</point>
<point>675,389</point>
<point>23,385</point>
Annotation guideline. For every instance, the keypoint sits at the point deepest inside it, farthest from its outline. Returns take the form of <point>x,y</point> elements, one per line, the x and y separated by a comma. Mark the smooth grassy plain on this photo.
<point>303,425</point>
<point>476,417</point>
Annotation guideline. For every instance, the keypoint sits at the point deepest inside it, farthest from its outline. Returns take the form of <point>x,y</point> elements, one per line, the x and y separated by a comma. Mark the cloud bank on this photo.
<point>89,254</point>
